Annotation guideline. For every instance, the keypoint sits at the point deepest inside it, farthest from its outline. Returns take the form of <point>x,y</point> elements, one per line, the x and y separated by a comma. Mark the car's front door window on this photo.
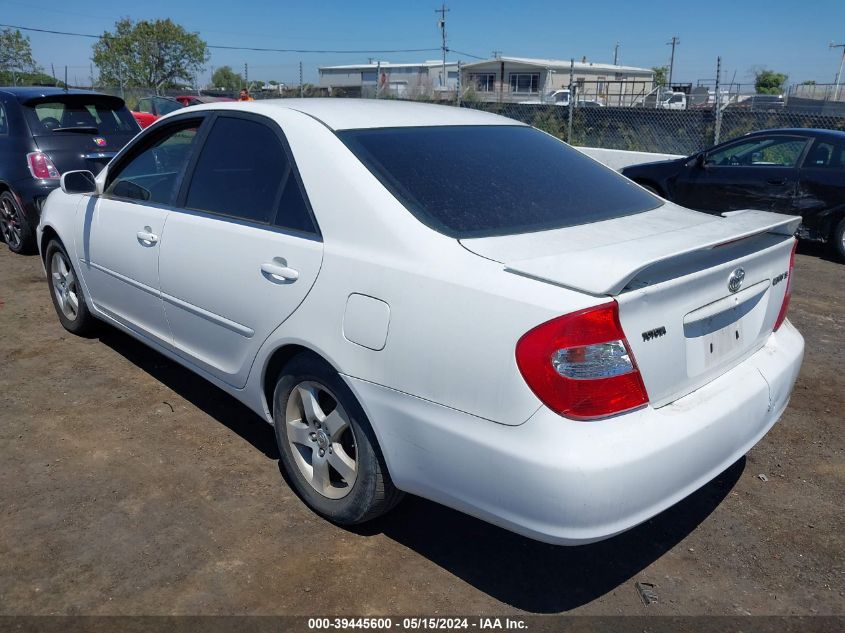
<point>759,152</point>
<point>153,173</point>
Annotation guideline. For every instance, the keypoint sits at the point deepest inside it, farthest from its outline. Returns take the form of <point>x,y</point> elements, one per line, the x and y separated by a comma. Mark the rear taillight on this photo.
<point>788,292</point>
<point>581,366</point>
<point>41,167</point>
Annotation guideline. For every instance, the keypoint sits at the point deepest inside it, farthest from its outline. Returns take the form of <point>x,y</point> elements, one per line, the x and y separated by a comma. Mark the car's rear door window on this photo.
<point>477,181</point>
<point>243,172</point>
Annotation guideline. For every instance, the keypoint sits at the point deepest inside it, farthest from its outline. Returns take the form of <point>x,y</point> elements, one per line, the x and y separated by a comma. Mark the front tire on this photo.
<point>328,448</point>
<point>838,240</point>
<point>14,226</point>
<point>66,291</point>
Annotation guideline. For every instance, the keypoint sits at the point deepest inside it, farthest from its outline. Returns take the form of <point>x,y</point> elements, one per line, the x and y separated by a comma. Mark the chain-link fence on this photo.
<point>651,130</point>
<point>657,121</point>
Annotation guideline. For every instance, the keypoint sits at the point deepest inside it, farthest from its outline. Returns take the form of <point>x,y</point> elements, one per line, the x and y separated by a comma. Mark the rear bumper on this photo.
<point>32,193</point>
<point>568,482</point>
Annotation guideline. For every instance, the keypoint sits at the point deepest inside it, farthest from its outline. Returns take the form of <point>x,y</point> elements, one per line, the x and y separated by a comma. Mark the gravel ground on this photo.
<point>130,486</point>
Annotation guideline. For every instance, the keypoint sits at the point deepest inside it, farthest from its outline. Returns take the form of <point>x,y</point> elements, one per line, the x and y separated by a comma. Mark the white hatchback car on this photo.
<point>439,301</point>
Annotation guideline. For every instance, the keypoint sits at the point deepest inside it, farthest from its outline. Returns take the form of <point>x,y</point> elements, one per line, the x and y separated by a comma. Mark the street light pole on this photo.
<point>838,74</point>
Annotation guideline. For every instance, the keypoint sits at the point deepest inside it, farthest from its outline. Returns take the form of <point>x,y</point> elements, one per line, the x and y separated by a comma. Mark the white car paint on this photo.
<point>423,329</point>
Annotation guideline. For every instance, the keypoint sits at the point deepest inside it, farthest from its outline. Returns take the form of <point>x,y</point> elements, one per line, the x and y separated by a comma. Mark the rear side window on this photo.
<point>4,122</point>
<point>88,114</point>
<point>826,155</point>
<point>243,172</point>
<point>478,181</point>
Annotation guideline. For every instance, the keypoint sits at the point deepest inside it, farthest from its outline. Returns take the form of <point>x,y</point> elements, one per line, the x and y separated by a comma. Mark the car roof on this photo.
<point>803,131</point>
<point>348,114</point>
<point>25,93</point>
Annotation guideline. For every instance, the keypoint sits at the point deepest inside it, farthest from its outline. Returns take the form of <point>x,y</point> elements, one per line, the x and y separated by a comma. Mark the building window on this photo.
<point>524,82</point>
<point>485,82</point>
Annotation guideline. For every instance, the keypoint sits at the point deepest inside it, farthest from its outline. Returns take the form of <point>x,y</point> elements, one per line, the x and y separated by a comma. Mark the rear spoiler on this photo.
<point>606,270</point>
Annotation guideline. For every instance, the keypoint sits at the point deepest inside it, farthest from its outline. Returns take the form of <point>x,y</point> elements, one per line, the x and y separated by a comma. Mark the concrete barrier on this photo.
<point>618,158</point>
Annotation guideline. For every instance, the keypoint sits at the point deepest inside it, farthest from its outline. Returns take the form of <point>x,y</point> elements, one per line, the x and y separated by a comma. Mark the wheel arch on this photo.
<point>47,233</point>
<point>274,364</point>
<point>650,184</point>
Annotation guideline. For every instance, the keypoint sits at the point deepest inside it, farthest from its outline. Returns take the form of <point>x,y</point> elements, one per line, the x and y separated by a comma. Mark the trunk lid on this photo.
<point>670,270</point>
<point>80,131</point>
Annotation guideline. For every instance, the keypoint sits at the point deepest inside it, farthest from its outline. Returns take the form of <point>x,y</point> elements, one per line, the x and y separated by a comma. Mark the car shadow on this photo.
<point>202,394</point>
<point>821,250</point>
<point>534,576</point>
<point>518,571</point>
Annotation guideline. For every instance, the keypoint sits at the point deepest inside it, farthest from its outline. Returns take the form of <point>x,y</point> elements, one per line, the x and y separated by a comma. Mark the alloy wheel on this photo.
<point>10,223</point>
<point>65,286</point>
<point>321,439</point>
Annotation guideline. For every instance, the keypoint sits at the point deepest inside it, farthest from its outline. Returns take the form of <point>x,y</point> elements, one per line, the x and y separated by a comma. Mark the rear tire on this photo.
<point>14,226</point>
<point>838,240</point>
<point>66,291</point>
<point>328,448</point>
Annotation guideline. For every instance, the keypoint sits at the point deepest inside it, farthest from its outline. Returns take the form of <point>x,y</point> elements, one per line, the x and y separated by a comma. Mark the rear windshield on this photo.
<point>59,115</point>
<point>479,181</point>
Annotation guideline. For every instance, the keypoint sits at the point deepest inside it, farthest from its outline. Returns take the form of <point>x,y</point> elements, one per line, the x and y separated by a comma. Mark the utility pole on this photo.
<point>838,74</point>
<point>442,23</point>
<point>301,89</point>
<point>246,76</point>
<point>675,41</point>
<point>616,54</point>
<point>496,54</point>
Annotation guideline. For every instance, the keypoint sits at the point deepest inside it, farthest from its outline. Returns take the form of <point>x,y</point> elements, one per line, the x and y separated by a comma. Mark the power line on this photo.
<point>239,48</point>
<point>452,50</point>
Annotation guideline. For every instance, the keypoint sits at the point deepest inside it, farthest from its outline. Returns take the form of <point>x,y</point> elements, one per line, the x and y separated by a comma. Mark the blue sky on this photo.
<point>786,36</point>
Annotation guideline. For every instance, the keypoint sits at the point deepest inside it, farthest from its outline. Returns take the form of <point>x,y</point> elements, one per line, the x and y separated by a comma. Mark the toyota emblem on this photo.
<point>736,279</point>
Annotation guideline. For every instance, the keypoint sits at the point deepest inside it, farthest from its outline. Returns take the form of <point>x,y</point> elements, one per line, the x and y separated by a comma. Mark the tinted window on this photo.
<point>4,122</point>
<point>293,210</point>
<point>153,173</point>
<point>74,113</point>
<point>775,151</point>
<point>474,181</point>
<point>239,172</point>
<point>826,155</point>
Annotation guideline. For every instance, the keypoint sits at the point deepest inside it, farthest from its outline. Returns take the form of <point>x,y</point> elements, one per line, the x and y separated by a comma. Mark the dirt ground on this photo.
<point>130,486</point>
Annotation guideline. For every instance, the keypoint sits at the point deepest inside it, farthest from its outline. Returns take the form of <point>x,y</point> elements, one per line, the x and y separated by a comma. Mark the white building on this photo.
<point>515,79</point>
<point>400,80</point>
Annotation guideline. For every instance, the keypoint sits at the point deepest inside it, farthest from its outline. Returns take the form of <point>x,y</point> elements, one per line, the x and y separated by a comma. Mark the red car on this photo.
<point>149,109</point>
<point>189,100</point>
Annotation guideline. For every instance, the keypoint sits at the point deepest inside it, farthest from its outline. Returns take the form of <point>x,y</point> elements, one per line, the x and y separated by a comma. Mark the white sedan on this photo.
<point>439,301</point>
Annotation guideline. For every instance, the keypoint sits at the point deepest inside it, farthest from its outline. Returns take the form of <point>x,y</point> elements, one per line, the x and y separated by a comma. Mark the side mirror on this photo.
<point>81,181</point>
<point>698,161</point>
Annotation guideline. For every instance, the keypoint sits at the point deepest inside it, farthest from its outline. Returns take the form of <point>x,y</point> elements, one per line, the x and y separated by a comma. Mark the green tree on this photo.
<point>809,82</point>
<point>16,61</point>
<point>226,78</point>
<point>661,75</point>
<point>768,82</point>
<point>153,54</point>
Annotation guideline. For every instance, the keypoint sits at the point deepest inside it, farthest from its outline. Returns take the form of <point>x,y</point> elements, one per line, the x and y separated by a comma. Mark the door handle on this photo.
<point>279,271</point>
<point>147,237</point>
<point>777,181</point>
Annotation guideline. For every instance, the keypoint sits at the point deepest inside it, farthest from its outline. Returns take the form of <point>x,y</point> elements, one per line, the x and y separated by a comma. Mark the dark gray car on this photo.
<point>45,132</point>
